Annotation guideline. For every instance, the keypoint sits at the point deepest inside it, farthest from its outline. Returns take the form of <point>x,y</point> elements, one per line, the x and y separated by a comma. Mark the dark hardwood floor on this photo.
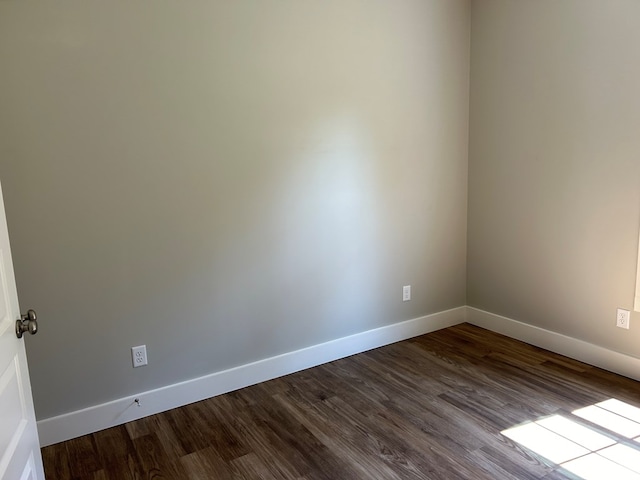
<point>428,408</point>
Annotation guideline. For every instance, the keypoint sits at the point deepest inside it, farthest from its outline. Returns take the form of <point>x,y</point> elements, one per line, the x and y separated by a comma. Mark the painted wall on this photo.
<point>554,165</point>
<point>227,181</point>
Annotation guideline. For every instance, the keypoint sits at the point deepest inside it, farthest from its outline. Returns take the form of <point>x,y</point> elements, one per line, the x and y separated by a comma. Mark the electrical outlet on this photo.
<point>623,318</point>
<point>139,356</point>
<point>406,293</point>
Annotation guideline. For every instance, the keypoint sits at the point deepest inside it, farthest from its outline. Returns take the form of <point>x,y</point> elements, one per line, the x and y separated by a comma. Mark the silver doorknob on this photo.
<point>29,323</point>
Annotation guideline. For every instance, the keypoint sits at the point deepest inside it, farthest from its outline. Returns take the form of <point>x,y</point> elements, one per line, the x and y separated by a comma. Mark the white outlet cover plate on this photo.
<point>406,293</point>
<point>623,318</point>
<point>139,356</point>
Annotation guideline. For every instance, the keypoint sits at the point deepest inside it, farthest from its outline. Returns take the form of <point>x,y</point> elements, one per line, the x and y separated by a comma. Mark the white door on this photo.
<point>19,446</point>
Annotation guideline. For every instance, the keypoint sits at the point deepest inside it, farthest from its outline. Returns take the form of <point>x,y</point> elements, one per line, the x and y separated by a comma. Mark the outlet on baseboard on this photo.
<point>623,318</point>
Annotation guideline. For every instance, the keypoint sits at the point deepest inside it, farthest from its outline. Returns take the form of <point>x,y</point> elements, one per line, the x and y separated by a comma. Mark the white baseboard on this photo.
<point>616,362</point>
<point>75,424</point>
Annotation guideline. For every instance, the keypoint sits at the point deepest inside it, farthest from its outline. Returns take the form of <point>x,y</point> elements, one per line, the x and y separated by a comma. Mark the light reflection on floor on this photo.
<point>583,451</point>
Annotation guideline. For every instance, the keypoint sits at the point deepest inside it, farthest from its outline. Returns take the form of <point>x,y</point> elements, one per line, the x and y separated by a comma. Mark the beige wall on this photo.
<point>227,181</point>
<point>554,165</point>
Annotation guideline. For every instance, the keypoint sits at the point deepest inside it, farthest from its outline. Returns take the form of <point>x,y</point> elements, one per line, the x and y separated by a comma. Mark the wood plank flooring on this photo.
<point>431,407</point>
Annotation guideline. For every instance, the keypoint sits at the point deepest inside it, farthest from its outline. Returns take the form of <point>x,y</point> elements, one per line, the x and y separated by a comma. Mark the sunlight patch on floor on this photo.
<point>595,467</point>
<point>624,455</point>
<point>609,420</point>
<point>545,442</point>
<point>580,434</point>
<point>621,408</point>
<point>583,451</point>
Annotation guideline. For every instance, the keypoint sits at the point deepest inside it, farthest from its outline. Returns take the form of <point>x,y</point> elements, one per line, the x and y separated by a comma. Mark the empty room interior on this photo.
<point>352,238</point>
